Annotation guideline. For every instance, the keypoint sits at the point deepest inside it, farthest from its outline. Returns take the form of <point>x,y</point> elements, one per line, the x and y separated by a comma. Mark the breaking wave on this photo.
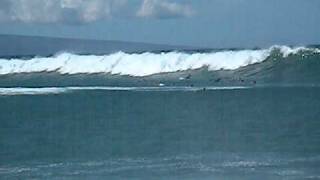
<point>144,64</point>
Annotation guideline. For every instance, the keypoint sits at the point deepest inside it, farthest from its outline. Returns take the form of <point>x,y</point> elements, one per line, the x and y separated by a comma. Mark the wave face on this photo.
<point>147,63</point>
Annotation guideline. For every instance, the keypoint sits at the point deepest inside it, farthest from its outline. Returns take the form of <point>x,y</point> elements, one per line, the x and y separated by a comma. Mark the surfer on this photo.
<point>217,80</point>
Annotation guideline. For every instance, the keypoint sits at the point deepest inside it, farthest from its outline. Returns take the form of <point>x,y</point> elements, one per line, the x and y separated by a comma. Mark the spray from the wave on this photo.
<point>143,64</point>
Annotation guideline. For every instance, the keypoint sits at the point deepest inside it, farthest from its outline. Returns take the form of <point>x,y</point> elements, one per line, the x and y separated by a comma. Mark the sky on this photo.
<point>197,23</point>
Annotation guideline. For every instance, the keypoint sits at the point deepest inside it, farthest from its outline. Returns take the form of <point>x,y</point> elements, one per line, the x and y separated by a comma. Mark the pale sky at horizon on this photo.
<point>203,23</point>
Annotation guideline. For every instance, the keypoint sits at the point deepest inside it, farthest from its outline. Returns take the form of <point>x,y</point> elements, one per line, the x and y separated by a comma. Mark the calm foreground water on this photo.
<point>236,133</point>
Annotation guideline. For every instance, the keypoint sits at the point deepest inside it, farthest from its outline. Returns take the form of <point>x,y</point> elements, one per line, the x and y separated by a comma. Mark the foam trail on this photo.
<point>142,64</point>
<point>30,91</point>
<point>60,90</point>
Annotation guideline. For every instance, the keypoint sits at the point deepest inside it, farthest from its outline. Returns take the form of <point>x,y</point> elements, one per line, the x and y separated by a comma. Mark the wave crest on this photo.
<point>143,64</point>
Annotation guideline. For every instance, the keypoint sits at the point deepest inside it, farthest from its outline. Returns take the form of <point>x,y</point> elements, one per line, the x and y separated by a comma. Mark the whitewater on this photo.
<point>192,114</point>
<point>144,64</point>
<point>60,90</point>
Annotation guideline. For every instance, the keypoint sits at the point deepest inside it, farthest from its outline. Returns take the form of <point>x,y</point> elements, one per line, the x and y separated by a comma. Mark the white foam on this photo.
<point>30,91</point>
<point>59,90</point>
<point>140,64</point>
<point>286,51</point>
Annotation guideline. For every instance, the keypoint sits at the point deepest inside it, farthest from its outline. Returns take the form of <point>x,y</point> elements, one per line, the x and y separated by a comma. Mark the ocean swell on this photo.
<point>144,64</point>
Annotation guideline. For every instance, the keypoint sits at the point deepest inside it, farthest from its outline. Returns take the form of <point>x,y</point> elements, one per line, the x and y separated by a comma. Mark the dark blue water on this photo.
<point>255,133</point>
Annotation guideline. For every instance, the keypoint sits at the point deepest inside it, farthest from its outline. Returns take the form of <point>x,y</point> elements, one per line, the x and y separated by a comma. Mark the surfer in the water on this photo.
<point>188,77</point>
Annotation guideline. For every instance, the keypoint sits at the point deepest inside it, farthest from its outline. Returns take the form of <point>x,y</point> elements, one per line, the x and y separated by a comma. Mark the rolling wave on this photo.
<point>147,63</point>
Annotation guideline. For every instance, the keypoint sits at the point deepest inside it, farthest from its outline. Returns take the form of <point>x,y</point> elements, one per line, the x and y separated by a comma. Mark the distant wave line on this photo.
<point>60,90</point>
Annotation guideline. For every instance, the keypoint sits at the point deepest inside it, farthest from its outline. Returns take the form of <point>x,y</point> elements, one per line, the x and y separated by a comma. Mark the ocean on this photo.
<point>226,114</point>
